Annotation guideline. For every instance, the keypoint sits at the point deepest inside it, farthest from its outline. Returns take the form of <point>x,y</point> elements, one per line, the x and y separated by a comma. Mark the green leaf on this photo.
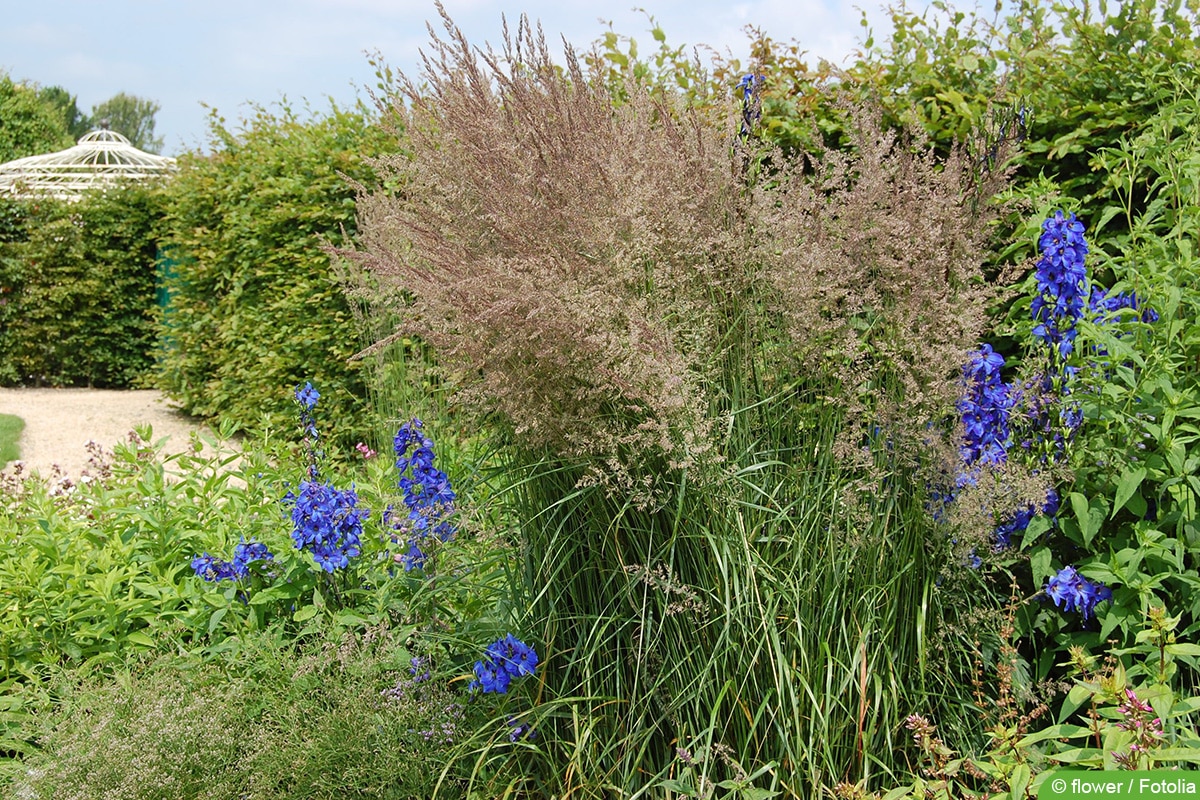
<point>1088,515</point>
<point>1039,564</point>
<point>1019,780</point>
<point>349,619</point>
<point>1129,483</point>
<point>137,637</point>
<point>216,618</point>
<point>757,793</point>
<point>306,613</point>
<point>1037,527</point>
<point>1075,698</point>
<point>1183,649</point>
<point>1188,754</point>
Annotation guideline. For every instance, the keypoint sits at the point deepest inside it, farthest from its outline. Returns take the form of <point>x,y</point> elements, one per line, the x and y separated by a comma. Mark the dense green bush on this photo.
<point>28,124</point>
<point>254,301</point>
<point>77,289</point>
<point>1084,75</point>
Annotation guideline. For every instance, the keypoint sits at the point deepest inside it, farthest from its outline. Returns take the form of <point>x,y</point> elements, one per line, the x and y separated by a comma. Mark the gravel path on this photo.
<point>60,422</point>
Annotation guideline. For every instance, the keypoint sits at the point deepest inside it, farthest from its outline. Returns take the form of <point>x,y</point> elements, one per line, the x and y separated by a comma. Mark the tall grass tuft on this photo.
<point>711,369</point>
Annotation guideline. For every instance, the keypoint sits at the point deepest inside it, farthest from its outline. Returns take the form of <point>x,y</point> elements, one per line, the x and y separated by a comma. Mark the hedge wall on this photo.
<point>77,289</point>
<point>256,306</point>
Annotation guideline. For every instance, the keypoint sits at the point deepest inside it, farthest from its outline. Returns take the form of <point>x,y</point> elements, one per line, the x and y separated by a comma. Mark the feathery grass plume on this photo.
<point>572,262</point>
<point>585,270</point>
<point>874,259</point>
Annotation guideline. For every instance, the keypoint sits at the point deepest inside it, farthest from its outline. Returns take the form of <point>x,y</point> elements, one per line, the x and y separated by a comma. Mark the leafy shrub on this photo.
<point>254,301</point>
<point>28,125</point>
<point>78,287</point>
<point>96,569</point>
<point>1083,75</point>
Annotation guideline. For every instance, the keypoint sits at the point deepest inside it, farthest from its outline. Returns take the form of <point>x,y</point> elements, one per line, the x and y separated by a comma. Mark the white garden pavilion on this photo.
<point>101,157</point>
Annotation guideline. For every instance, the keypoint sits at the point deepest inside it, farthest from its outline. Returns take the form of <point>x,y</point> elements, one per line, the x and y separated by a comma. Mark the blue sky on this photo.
<point>223,53</point>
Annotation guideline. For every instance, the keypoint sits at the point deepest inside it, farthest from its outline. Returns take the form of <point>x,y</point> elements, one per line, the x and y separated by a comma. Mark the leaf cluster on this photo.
<point>255,302</point>
<point>28,124</point>
<point>78,289</point>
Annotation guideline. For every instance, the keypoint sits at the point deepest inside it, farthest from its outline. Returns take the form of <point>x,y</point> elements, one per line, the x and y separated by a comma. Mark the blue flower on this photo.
<point>307,396</point>
<point>1061,275</point>
<point>503,661</point>
<point>428,494</point>
<point>748,84</point>
<point>490,678</point>
<point>519,730</point>
<point>516,656</point>
<point>1070,591</point>
<point>985,409</point>
<point>419,669</point>
<point>327,523</point>
<point>245,553</point>
<point>211,569</point>
<point>1021,518</point>
<point>1106,306</point>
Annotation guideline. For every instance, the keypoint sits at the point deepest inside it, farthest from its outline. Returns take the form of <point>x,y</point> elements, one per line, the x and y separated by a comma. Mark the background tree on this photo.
<point>132,117</point>
<point>76,121</point>
<point>28,125</point>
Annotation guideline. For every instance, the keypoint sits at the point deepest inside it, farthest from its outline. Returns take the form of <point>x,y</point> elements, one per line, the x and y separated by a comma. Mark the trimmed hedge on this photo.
<point>255,303</point>
<point>77,289</point>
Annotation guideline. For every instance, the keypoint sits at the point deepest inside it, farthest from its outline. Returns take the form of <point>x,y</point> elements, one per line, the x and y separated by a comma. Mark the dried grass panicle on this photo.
<point>875,257</point>
<point>586,269</point>
<point>564,254</point>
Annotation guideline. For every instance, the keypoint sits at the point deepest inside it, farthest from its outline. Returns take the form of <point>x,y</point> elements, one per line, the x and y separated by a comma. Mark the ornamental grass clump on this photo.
<point>684,341</point>
<point>601,279</point>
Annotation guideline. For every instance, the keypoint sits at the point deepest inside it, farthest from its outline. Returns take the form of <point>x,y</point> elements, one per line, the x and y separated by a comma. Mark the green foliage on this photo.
<point>1130,495</point>
<point>77,282</point>
<point>669,70</point>
<point>10,431</point>
<point>336,717</point>
<point>131,116</point>
<point>1127,712</point>
<point>938,69</point>
<point>254,301</point>
<point>1086,75</point>
<point>1106,81</point>
<point>28,124</point>
<point>76,121</point>
<point>96,569</point>
<point>96,579</point>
